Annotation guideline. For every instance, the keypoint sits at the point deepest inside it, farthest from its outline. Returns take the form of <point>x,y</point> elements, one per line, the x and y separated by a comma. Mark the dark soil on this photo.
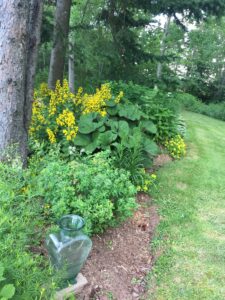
<point>121,257</point>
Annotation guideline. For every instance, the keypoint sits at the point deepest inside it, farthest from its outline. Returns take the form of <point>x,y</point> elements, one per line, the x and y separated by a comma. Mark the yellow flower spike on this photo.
<point>51,136</point>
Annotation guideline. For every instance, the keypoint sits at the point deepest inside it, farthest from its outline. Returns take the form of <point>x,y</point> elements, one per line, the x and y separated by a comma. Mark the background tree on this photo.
<point>60,42</point>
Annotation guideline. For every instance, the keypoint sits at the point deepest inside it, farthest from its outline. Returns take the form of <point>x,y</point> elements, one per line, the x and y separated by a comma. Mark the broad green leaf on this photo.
<point>102,129</point>
<point>150,146</point>
<point>111,103</point>
<point>149,126</point>
<point>123,129</point>
<point>112,111</point>
<point>82,140</point>
<point>106,138</point>
<point>7,291</point>
<point>114,125</point>
<point>88,123</point>
<point>92,147</point>
<point>130,111</point>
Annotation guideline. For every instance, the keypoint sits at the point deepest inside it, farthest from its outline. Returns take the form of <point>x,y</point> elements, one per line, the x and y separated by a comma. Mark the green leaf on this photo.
<point>7,291</point>
<point>129,111</point>
<point>150,146</point>
<point>106,138</point>
<point>147,161</point>
<point>101,129</point>
<point>123,129</point>
<point>114,125</point>
<point>149,126</point>
<point>86,124</point>
<point>82,140</point>
<point>92,147</point>
<point>111,103</point>
<point>112,111</point>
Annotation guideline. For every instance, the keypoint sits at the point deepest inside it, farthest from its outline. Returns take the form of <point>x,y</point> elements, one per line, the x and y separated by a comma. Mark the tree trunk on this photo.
<point>19,35</point>
<point>71,67</point>
<point>35,21</point>
<point>60,41</point>
<point>163,47</point>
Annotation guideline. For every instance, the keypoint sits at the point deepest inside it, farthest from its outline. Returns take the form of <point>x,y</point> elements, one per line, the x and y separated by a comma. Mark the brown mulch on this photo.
<point>161,160</point>
<point>121,257</point>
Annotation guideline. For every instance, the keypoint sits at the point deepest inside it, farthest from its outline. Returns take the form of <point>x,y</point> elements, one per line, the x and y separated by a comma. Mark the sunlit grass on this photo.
<point>191,203</point>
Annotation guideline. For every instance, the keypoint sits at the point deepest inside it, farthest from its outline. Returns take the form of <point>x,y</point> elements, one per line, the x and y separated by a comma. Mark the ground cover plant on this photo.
<point>22,224</point>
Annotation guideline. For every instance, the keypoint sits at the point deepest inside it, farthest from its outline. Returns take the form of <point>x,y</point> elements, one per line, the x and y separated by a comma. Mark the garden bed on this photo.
<point>121,257</point>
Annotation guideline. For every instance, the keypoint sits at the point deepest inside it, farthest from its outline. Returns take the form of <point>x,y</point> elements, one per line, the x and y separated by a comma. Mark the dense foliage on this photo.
<point>191,103</point>
<point>90,187</point>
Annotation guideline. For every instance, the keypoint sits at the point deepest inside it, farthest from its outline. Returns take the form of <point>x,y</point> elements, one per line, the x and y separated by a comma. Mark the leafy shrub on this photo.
<point>89,187</point>
<point>165,121</point>
<point>142,95</point>
<point>21,228</point>
<point>191,103</point>
<point>90,122</point>
<point>176,147</point>
<point>161,108</point>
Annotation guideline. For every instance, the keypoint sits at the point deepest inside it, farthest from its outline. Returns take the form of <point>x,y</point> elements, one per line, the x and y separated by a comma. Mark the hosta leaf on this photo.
<point>113,124</point>
<point>101,129</point>
<point>130,111</point>
<point>106,138</point>
<point>82,140</point>
<point>123,129</point>
<point>111,103</point>
<point>112,111</point>
<point>150,146</point>
<point>88,124</point>
<point>7,291</point>
<point>149,126</point>
<point>92,147</point>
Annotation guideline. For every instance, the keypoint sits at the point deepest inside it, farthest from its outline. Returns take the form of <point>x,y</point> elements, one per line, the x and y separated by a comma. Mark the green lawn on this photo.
<point>191,202</point>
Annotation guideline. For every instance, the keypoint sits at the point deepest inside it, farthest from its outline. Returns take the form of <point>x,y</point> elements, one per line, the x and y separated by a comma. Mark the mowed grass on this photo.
<point>190,239</point>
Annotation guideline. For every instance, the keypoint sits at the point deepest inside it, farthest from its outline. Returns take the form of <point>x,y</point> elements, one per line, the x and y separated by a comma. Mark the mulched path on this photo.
<point>121,257</point>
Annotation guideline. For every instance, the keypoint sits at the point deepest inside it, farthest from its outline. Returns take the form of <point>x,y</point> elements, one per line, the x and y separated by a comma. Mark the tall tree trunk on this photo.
<point>163,47</point>
<point>19,36</point>
<point>35,22</point>
<point>71,66</point>
<point>60,41</point>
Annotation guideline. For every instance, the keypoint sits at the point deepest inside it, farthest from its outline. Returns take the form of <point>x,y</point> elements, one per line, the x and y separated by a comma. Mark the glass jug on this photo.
<point>69,248</point>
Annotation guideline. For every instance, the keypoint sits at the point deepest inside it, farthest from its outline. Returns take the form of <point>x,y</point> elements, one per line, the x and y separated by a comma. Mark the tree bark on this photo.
<point>19,35</point>
<point>60,41</point>
<point>71,66</point>
<point>35,22</point>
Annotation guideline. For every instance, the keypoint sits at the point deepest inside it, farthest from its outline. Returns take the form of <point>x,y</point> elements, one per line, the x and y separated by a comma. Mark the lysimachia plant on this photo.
<point>91,122</point>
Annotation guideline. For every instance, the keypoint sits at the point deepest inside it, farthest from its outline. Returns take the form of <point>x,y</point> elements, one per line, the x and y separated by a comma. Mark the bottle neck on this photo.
<point>66,234</point>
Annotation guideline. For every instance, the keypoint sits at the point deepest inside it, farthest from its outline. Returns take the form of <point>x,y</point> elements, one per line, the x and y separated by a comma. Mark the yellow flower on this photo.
<point>51,136</point>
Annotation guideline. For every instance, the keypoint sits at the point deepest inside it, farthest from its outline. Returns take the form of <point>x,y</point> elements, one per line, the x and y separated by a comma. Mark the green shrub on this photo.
<point>21,228</point>
<point>90,187</point>
<point>191,103</point>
